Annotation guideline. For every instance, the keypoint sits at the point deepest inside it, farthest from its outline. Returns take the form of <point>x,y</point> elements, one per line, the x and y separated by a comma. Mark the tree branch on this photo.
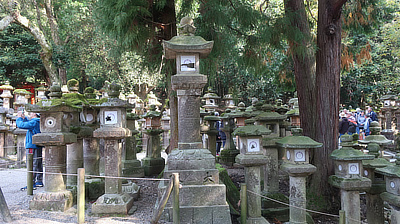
<point>5,22</point>
<point>337,8</point>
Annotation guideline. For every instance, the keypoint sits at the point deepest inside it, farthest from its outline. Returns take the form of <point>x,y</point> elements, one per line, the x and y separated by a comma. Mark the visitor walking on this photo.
<point>361,121</point>
<point>33,127</point>
<point>367,124</point>
<point>343,124</point>
<point>221,137</point>
<point>372,114</point>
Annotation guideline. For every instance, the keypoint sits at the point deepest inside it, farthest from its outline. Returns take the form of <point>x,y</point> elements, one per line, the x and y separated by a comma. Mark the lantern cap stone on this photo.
<point>388,97</point>
<point>297,141</point>
<point>392,170</point>
<point>22,92</point>
<point>6,86</point>
<point>347,152</point>
<point>212,118</point>
<point>375,137</point>
<point>268,114</point>
<point>251,130</point>
<point>132,116</point>
<point>152,113</point>
<point>187,45</point>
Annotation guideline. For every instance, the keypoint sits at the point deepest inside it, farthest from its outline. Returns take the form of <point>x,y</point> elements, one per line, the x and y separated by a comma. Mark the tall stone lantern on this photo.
<point>229,153</point>
<point>40,93</point>
<point>392,194</point>
<point>229,101</point>
<point>294,115</point>
<point>202,198</point>
<point>112,129</point>
<point>252,158</point>
<point>56,119</point>
<point>297,165</point>
<point>349,177</point>
<point>3,129</point>
<point>153,163</point>
<point>21,98</point>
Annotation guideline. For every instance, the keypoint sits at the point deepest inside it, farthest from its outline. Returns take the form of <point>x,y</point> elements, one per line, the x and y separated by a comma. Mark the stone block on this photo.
<point>52,201</point>
<point>218,214</point>
<point>61,138</point>
<point>350,184</point>
<point>113,203</point>
<point>112,132</point>
<point>153,166</point>
<point>191,159</point>
<point>194,176</point>
<point>94,188</point>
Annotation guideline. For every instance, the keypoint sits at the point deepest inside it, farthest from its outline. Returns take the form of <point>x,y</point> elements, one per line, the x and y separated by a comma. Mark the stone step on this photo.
<point>217,214</point>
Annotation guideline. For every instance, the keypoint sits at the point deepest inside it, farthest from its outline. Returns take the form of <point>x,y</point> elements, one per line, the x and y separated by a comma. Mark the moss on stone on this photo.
<point>22,92</point>
<point>232,193</point>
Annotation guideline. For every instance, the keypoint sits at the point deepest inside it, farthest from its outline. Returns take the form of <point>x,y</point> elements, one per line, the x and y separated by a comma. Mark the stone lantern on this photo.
<point>349,177</point>
<point>6,95</point>
<point>21,98</point>
<point>201,192</point>
<point>152,100</point>
<point>252,158</point>
<point>272,121</point>
<point>392,194</point>
<point>297,165</point>
<point>56,120</point>
<point>91,154</point>
<point>389,104</point>
<point>113,129</point>
<point>374,202</point>
<point>131,166</point>
<point>132,98</point>
<point>229,153</point>
<point>153,163</point>
<point>294,115</point>
<point>212,133</point>
<point>229,101</point>
<point>3,129</point>
<point>280,108</point>
<point>211,100</point>
<point>40,93</point>
<point>375,136</point>
<point>166,126</point>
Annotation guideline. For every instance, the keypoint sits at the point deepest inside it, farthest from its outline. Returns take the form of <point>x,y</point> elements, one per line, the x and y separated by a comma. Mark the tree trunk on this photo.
<point>304,64</point>
<point>328,86</point>
<point>169,18</point>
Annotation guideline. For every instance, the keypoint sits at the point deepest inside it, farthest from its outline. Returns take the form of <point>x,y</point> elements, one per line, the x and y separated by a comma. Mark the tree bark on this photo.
<point>328,87</point>
<point>303,56</point>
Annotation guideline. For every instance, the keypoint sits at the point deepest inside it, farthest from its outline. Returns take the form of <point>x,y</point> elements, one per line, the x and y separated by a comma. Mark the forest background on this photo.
<point>267,49</point>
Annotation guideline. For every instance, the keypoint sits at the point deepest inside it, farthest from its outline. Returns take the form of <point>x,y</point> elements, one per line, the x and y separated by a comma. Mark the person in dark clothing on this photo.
<point>221,137</point>
<point>343,124</point>
<point>33,127</point>
<point>372,114</point>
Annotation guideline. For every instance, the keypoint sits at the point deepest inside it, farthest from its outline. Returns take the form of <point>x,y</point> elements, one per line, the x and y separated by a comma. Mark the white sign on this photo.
<point>110,117</point>
<point>253,145</point>
<point>353,168</point>
<point>188,63</point>
<point>300,155</point>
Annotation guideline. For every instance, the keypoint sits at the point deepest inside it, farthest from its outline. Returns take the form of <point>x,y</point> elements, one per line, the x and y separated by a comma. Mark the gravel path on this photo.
<point>18,203</point>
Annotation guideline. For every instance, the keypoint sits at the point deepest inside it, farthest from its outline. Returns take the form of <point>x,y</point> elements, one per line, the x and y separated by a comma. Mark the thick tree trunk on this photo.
<point>169,19</point>
<point>303,55</point>
<point>328,86</point>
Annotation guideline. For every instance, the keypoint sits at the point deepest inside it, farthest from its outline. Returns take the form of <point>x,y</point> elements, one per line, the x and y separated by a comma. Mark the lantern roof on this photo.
<point>347,152</point>
<point>298,141</point>
<point>187,44</point>
<point>251,130</point>
<point>393,170</point>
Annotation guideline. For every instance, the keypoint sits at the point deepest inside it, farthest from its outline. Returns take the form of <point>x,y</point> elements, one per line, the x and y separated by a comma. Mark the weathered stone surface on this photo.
<point>251,159</point>
<point>113,204</point>
<point>52,201</point>
<point>192,177</point>
<point>190,159</point>
<point>112,132</point>
<point>350,203</point>
<point>350,184</point>
<point>218,214</point>
<point>62,138</point>
<point>94,188</point>
<point>153,166</point>
<point>298,169</point>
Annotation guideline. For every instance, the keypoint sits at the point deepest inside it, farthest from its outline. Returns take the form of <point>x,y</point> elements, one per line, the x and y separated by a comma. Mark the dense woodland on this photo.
<point>329,52</point>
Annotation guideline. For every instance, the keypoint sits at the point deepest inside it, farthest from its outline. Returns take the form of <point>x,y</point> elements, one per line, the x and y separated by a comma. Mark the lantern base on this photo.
<point>52,201</point>
<point>113,203</point>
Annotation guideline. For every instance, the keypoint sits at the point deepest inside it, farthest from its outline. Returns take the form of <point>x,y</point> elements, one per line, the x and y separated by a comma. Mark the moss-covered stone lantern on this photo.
<point>6,95</point>
<point>57,117</point>
<point>375,136</point>
<point>113,128</point>
<point>228,154</point>
<point>297,165</point>
<point>21,97</point>
<point>374,202</point>
<point>152,100</point>
<point>392,194</point>
<point>195,164</point>
<point>211,100</point>
<point>153,163</point>
<point>294,115</point>
<point>252,158</point>
<point>349,176</point>
<point>229,101</point>
<point>40,92</point>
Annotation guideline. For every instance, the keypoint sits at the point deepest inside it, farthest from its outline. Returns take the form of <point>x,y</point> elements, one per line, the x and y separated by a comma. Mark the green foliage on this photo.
<point>19,57</point>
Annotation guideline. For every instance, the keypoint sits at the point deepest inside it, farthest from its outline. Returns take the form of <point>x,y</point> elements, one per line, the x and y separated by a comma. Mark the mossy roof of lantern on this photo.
<point>379,139</point>
<point>75,100</point>
<point>251,130</point>
<point>293,112</point>
<point>388,97</point>
<point>269,115</point>
<point>349,154</point>
<point>7,87</point>
<point>152,114</point>
<point>22,92</point>
<point>210,96</point>
<point>298,142</point>
<point>391,171</point>
<point>187,44</point>
<point>132,116</point>
<point>376,163</point>
<point>212,118</point>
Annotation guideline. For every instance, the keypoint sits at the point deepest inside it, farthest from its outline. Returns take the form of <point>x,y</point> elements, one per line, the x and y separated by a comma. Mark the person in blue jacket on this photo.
<point>33,127</point>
